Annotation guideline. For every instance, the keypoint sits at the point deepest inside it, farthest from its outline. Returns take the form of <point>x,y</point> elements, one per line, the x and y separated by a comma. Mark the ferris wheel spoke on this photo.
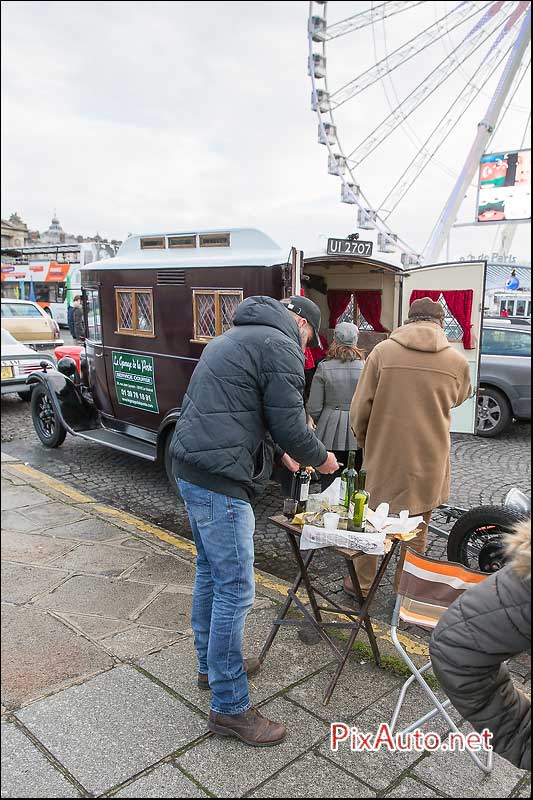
<point>447,67</point>
<point>442,130</point>
<point>365,18</point>
<point>458,16</point>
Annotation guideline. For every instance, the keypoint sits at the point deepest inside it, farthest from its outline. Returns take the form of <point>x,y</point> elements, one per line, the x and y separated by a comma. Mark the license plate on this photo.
<point>7,372</point>
<point>349,247</point>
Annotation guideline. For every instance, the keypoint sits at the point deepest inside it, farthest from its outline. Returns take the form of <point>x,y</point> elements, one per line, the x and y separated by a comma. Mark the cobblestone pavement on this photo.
<point>482,472</point>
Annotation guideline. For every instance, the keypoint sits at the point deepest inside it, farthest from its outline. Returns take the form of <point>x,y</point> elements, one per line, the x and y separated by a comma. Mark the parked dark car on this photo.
<point>505,377</point>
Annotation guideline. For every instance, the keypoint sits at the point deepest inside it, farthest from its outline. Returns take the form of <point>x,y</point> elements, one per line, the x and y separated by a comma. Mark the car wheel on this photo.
<point>47,424</point>
<point>493,412</point>
<point>26,396</point>
<point>168,462</point>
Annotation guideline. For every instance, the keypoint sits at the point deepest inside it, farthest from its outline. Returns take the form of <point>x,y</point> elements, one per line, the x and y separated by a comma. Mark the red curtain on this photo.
<point>369,304</point>
<point>338,302</point>
<point>459,301</point>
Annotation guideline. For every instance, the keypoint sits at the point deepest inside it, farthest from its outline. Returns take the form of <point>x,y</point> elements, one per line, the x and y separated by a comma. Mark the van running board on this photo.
<point>119,441</point>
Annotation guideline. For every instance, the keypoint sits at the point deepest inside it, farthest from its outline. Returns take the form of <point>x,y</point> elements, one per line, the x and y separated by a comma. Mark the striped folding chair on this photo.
<point>427,588</point>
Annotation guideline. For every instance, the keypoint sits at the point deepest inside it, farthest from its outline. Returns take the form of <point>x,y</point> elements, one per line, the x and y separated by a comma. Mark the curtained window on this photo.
<point>458,312</point>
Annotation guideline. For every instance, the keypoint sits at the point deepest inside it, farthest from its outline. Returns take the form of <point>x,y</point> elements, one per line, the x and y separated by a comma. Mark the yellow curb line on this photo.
<point>261,578</point>
<point>29,472</point>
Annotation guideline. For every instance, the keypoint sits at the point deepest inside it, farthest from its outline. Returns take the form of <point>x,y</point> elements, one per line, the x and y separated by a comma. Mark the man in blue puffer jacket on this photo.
<point>244,406</point>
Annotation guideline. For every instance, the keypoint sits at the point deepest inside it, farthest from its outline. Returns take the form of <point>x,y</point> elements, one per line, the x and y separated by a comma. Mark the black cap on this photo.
<point>310,311</point>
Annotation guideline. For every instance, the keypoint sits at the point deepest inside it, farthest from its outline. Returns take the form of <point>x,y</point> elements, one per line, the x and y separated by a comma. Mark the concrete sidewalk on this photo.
<point>99,695</point>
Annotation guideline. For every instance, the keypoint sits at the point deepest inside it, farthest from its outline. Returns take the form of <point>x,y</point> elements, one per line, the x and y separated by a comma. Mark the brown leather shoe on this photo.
<point>251,667</point>
<point>251,728</point>
<point>348,587</point>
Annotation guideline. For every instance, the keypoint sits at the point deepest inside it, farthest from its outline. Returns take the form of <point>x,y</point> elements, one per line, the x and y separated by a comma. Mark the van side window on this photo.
<point>213,311</point>
<point>94,319</point>
<point>135,312</point>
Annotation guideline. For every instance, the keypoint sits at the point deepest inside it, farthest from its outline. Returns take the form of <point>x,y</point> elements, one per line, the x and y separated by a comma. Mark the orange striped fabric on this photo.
<point>429,587</point>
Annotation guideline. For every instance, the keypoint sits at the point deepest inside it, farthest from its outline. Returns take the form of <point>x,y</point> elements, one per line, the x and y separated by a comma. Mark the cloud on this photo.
<point>149,116</point>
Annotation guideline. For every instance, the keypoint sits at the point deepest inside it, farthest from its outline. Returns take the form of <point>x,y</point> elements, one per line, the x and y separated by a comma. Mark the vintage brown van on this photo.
<point>150,311</point>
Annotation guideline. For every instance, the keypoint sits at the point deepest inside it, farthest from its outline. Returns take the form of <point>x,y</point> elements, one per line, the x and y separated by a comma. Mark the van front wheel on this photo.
<point>167,459</point>
<point>46,422</point>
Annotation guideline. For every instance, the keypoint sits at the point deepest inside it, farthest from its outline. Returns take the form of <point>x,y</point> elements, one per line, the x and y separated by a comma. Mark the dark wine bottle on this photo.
<point>300,488</point>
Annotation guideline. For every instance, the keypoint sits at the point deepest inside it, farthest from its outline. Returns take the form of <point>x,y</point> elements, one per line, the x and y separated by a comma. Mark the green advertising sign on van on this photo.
<point>135,381</point>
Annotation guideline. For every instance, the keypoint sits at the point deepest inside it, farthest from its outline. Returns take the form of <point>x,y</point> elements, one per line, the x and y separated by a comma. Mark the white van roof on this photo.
<point>225,247</point>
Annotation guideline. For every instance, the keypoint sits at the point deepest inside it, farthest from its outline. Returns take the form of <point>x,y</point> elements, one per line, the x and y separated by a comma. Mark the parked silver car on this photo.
<point>505,377</point>
<point>18,361</point>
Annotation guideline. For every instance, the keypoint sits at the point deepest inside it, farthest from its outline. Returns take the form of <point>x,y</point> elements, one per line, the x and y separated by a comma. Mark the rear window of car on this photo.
<point>505,342</point>
<point>20,310</point>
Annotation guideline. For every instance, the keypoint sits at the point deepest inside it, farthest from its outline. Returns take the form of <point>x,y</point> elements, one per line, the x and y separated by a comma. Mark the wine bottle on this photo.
<point>359,503</point>
<point>300,488</point>
<point>348,481</point>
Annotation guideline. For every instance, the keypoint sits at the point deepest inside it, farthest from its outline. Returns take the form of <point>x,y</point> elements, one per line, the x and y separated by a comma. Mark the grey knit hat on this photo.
<point>346,333</point>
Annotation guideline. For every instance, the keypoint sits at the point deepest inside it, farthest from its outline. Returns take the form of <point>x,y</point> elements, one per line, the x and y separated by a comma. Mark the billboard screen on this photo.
<point>504,189</point>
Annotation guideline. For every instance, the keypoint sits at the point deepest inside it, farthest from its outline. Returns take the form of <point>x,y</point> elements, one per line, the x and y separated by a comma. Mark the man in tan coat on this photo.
<point>400,415</point>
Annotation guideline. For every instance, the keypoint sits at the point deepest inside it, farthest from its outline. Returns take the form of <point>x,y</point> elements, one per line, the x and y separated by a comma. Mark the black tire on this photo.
<point>476,538</point>
<point>26,396</point>
<point>167,462</point>
<point>48,426</point>
<point>494,413</point>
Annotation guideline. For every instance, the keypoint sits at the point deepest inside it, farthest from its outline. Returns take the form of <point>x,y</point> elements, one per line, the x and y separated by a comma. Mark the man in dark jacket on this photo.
<point>485,627</point>
<point>244,402</point>
<point>78,322</point>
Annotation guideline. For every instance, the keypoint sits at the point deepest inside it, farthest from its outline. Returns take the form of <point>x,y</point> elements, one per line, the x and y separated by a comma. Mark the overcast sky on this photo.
<point>137,117</point>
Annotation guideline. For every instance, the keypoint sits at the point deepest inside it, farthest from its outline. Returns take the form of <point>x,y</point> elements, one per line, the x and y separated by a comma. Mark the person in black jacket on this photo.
<point>470,646</point>
<point>244,405</point>
<point>78,322</point>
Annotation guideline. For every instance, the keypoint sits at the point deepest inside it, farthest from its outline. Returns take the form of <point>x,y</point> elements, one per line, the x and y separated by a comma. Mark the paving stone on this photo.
<point>98,559</point>
<point>177,667</point>
<point>164,569</point>
<point>25,770</point>
<point>32,548</point>
<point>313,776</point>
<point>6,459</point>
<point>379,769</point>
<point>164,781</point>
<point>54,514</point>
<point>465,779</point>
<point>112,727</point>
<point>39,654</point>
<point>229,768</point>
<point>525,790</point>
<point>410,788</point>
<point>88,530</point>
<point>138,640</point>
<point>358,687</point>
<point>98,627</point>
<point>13,520</point>
<point>16,497</point>
<point>169,610</point>
<point>105,596</point>
<point>21,582</point>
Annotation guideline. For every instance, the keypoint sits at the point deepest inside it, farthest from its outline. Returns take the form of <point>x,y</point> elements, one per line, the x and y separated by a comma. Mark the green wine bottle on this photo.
<point>348,481</point>
<point>359,503</point>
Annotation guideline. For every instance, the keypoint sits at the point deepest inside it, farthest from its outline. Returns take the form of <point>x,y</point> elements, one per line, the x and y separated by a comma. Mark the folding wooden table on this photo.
<point>357,619</point>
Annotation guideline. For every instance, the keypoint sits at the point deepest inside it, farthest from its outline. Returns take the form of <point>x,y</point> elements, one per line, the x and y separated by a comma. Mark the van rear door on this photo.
<point>457,276</point>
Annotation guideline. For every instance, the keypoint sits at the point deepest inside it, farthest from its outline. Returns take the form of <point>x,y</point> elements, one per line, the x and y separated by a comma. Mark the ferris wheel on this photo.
<point>433,66</point>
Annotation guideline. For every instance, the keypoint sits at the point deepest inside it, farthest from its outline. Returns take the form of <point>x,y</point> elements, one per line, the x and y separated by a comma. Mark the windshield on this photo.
<point>20,310</point>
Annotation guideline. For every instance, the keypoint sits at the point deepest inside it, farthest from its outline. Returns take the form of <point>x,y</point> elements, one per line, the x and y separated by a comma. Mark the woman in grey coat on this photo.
<point>331,395</point>
<point>485,627</point>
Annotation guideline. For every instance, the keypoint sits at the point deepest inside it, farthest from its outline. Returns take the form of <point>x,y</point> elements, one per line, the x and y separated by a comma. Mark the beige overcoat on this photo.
<point>400,415</point>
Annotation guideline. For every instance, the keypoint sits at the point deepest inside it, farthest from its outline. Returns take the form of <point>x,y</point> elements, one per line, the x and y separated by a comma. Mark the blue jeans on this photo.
<point>224,590</point>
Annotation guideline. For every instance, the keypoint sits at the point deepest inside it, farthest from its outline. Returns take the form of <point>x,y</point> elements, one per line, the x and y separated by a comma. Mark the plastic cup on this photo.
<point>331,521</point>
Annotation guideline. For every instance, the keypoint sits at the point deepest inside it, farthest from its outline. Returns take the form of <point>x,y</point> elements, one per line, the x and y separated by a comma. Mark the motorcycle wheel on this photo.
<point>476,539</point>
